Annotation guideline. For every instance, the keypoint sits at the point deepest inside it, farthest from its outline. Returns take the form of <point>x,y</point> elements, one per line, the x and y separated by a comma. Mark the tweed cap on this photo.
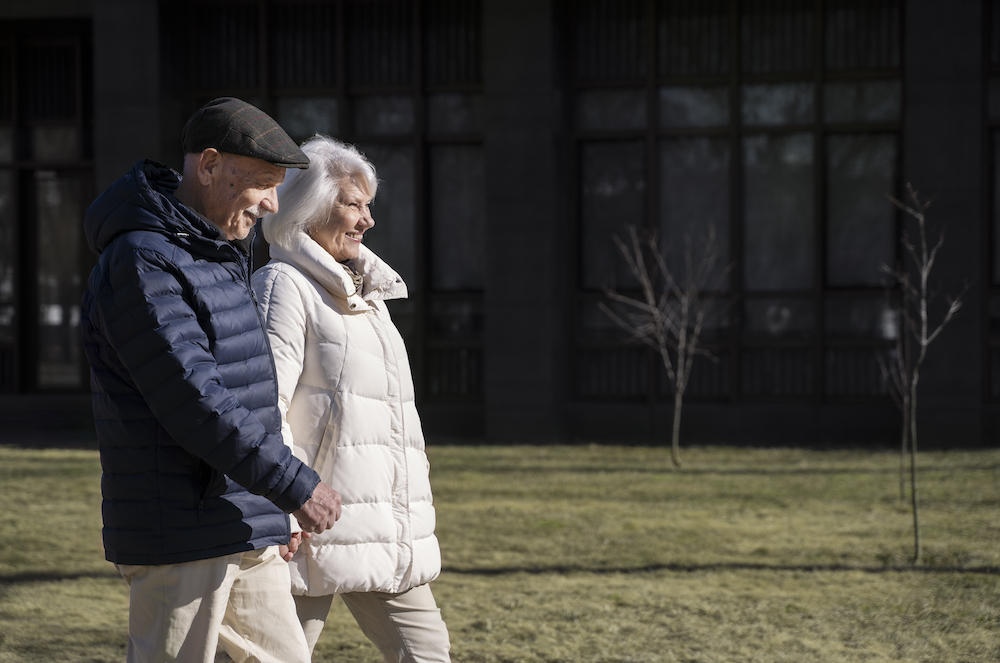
<point>234,126</point>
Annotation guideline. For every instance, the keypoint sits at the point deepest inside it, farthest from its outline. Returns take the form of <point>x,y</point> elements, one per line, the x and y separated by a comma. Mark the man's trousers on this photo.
<point>238,603</point>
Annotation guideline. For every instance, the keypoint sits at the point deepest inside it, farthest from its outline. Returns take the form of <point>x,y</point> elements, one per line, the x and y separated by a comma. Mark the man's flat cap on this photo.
<point>234,126</point>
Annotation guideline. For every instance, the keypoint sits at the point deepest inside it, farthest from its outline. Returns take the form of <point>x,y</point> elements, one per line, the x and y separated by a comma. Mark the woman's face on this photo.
<point>341,234</point>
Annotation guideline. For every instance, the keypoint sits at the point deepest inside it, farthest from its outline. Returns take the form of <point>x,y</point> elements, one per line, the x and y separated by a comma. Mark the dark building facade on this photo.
<point>513,139</point>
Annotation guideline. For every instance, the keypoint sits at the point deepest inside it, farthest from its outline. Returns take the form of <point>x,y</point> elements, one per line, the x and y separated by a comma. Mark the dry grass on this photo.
<point>601,554</point>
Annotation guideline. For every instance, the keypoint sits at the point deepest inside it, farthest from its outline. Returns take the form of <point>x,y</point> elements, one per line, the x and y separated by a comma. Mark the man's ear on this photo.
<point>209,165</point>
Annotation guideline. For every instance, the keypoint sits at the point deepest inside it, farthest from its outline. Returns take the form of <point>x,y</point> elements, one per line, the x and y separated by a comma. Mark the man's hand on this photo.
<point>320,511</point>
<point>286,552</point>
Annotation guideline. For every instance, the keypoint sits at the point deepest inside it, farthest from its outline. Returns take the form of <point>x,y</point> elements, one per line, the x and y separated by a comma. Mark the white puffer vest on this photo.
<point>346,397</point>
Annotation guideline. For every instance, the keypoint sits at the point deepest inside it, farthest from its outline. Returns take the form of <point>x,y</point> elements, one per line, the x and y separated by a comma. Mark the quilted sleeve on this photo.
<point>148,320</point>
<point>285,323</point>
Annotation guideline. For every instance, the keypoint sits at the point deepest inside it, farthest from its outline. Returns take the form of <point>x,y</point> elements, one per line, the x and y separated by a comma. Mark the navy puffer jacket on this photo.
<point>184,393</point>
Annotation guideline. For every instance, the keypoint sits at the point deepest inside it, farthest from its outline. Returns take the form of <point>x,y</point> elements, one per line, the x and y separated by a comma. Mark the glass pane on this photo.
<point>777,372</point>
<point>6,145</point>
<point>619,374</point>
<point>778,318</point>
<point>394,237</point>
<point>995,136</point>
<point>994,317</point>
<point>773,105</point>
<point>861,228</point>
<point>453,42</point>
<point>862,101</point>
<point>384,115</point>
<point>302,47</point>
<point>610,39</point>
<point>611,109</point>
<point>777,36</point>
<point>302,117</point>
<point>682,107</point>
<point>863,318</point>
<point>454,112</point>
<point>8,256</point>
<point>855,372</point>
<point>863,35</point>
<point>226,44</point>
<point>457,319</point>
<point>593,324</point>
<point>694,37</point>
<point>55,143</point>
<point>458,217</point>
<point>778,250</point>
<point>59,203</point>
<point>994,99</point>
<point>694,196</point>
<point>612,180</point>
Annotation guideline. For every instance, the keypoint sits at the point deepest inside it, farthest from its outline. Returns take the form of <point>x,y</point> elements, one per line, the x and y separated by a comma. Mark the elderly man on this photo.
<point>197,481</point>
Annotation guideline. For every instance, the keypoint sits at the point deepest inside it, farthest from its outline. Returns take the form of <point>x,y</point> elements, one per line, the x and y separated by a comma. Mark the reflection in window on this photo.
<point>384,115</point>
<point>302,117</point>
<point>995,138</point>
<point>778,251</point>
<point>454,113</point>
<point>55,143</point>
<point>6,145</point>
<point>779,318</point>
<point>772,105</point>
<point>612,184</point>
<point>861,170</point>
<point>458,218</point>
<point>862,101</point>
<point>861,318</point>
<point>58,200</point>
<point>8,256</point>
<point>457,319</point>
<point>694,195</point>
<point>683,107</point>
<point>611,109</point>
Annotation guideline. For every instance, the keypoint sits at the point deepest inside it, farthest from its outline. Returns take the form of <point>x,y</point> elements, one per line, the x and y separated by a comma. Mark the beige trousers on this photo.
<point>406,628</point>
<point>238,603</point>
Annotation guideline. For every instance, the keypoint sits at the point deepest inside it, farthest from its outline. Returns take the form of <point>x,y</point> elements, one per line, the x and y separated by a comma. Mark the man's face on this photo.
<point>242,190</point>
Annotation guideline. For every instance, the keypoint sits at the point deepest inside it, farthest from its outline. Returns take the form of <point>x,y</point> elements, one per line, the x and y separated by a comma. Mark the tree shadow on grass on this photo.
<point>728,566</point>
<point>54,576</point>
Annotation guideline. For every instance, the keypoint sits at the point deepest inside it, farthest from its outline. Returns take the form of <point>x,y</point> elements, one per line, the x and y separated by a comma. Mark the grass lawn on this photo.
<point>601,554</point>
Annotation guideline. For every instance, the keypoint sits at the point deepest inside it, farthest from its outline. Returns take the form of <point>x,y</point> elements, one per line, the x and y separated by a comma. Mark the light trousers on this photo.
<point>406,627</point>
<point>238,603</point>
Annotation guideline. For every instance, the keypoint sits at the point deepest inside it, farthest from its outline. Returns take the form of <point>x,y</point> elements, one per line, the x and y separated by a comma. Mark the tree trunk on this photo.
<point>903,447</point>
<point>913,471</point>
<point>675,449</point>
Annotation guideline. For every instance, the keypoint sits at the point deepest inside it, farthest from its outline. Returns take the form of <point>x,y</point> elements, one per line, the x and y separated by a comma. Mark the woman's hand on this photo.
<point>286,552</point>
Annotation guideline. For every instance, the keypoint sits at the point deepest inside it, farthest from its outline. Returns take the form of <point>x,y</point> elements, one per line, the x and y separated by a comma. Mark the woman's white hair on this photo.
<point>307,195</point>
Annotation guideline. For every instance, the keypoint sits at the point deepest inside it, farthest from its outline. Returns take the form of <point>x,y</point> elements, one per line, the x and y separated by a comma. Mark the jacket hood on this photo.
<point>143,200</point>
<point>380,282</point>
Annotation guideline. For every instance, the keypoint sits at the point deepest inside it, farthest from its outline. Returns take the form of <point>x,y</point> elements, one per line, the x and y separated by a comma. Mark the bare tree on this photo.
<point>917,332</point>
<point>670,314</point>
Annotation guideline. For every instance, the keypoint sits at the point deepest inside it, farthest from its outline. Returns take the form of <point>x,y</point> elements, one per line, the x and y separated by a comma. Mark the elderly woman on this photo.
<point>346,395</point>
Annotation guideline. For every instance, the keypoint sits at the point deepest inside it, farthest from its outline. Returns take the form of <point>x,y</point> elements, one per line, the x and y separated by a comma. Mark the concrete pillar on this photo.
<point>526,293</point>
<point>126,86</point>
<point>942,149</point>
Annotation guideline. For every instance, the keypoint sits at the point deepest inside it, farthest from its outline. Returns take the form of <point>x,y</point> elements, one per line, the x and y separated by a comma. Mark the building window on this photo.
<point>776,122</point>
<point>46,183</point>
<point>402,80</point>
<point>991,285</point>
